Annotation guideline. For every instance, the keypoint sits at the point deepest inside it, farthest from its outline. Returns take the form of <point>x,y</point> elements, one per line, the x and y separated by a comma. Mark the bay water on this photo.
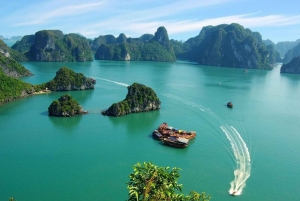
<point>252,149</point>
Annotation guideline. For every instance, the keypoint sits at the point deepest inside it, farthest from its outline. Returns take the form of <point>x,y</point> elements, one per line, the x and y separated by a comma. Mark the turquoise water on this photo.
<point>89,157</point>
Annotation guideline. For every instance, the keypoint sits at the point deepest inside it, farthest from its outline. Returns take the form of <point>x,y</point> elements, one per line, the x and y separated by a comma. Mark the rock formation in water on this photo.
<point>294,52</point>
<point>65,106</point>
<point>140,98</point>
<point>67,80</point>
<point>226,45</point>
<point>291,67</point>
<point>146,48</point>
<point>53,45</point>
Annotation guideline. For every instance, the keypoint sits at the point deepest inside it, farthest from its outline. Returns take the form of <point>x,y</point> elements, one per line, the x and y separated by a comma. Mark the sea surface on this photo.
<point>252,149</point>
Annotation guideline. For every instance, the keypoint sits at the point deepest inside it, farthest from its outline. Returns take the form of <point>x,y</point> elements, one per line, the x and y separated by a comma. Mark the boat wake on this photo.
<point>242,156</point>
<point>118,83</point>
<point>238,146</point>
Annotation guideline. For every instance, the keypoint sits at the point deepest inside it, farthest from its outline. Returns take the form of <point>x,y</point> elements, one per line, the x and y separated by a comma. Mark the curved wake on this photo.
<point>118,83</point>
<point>242,156</point>
<point>239,148</point>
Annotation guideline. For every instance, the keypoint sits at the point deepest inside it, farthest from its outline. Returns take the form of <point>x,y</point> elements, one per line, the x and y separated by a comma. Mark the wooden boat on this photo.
<point>176,142</point>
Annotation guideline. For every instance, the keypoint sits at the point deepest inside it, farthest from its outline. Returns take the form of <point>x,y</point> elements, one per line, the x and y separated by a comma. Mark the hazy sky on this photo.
<point>275,20</point>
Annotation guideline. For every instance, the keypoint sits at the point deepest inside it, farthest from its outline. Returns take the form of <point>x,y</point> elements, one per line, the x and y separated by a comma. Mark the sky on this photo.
<point>273,19</point>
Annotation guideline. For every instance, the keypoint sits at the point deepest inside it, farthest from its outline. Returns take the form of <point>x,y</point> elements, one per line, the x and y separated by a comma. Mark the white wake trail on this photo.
<point>119,83</point>
<point>242,156</point>
<point>239,148</point>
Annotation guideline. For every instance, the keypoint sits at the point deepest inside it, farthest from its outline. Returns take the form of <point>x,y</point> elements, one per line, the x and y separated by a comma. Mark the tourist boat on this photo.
<point>176,141</point>
<point>165,131</point>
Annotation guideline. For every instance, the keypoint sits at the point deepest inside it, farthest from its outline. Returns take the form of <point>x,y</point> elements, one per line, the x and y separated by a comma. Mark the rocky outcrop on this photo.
<point>140,98</point>
<point>65,106</point>
<point>53,45</point>
<point>226,45</point>
<point>291,67</point>
<point>67,80</point>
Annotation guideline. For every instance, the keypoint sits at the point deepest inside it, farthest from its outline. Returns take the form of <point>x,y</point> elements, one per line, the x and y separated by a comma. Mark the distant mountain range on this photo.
<point>282,47</point>
<point>223,45</point>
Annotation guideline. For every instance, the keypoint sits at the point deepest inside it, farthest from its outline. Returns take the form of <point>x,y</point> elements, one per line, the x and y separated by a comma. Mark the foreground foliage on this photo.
<point>152,183</point>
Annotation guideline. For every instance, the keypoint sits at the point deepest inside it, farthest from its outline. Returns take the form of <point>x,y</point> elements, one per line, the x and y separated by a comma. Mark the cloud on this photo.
<point>139,25</point>
<point>42,16</point>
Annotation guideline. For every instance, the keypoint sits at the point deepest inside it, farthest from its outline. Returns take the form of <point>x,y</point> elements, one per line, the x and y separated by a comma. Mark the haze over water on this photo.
<point>252,148</point>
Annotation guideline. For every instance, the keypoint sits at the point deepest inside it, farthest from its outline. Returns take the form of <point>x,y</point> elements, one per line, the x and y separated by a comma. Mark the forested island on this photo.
<point>227,45</point>
<point>53,45</point>
<point>66,80</point>
<point>140,98</point>
<point>65,106</point>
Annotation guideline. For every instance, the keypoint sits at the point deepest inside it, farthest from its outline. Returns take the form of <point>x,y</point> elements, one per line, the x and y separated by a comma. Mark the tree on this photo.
<point>152,183</point>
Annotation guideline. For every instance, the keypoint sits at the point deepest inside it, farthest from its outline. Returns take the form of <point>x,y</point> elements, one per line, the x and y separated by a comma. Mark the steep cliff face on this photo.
<point>226,45</point>
<point>146,48</point>
<point>140,98</point>
<point>292,67</point>
<point>53,45</point>
<point>65,106</point>
<point>67,80</point>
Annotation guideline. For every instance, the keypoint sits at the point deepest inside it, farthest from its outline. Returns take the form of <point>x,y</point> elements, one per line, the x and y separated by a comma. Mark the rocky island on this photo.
<point>291,67</point>
<point>140,98</point>
<point>53,45</point>
<point>65,106</point>
<point>67,80</point>
<point>225,45</point>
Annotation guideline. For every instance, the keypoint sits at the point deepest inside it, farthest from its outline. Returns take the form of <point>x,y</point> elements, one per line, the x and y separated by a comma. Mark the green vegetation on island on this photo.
<point>292,67</point>
<point>65,106</point>
<point>145,48</point>
<point>9,52</point>
<point>140,98</point>
<point>225,45</point>
<point>12,68</point>
<point>66,79</point>
<point>53,45</point>
<point>149,182</point>
<point>12,88</point>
